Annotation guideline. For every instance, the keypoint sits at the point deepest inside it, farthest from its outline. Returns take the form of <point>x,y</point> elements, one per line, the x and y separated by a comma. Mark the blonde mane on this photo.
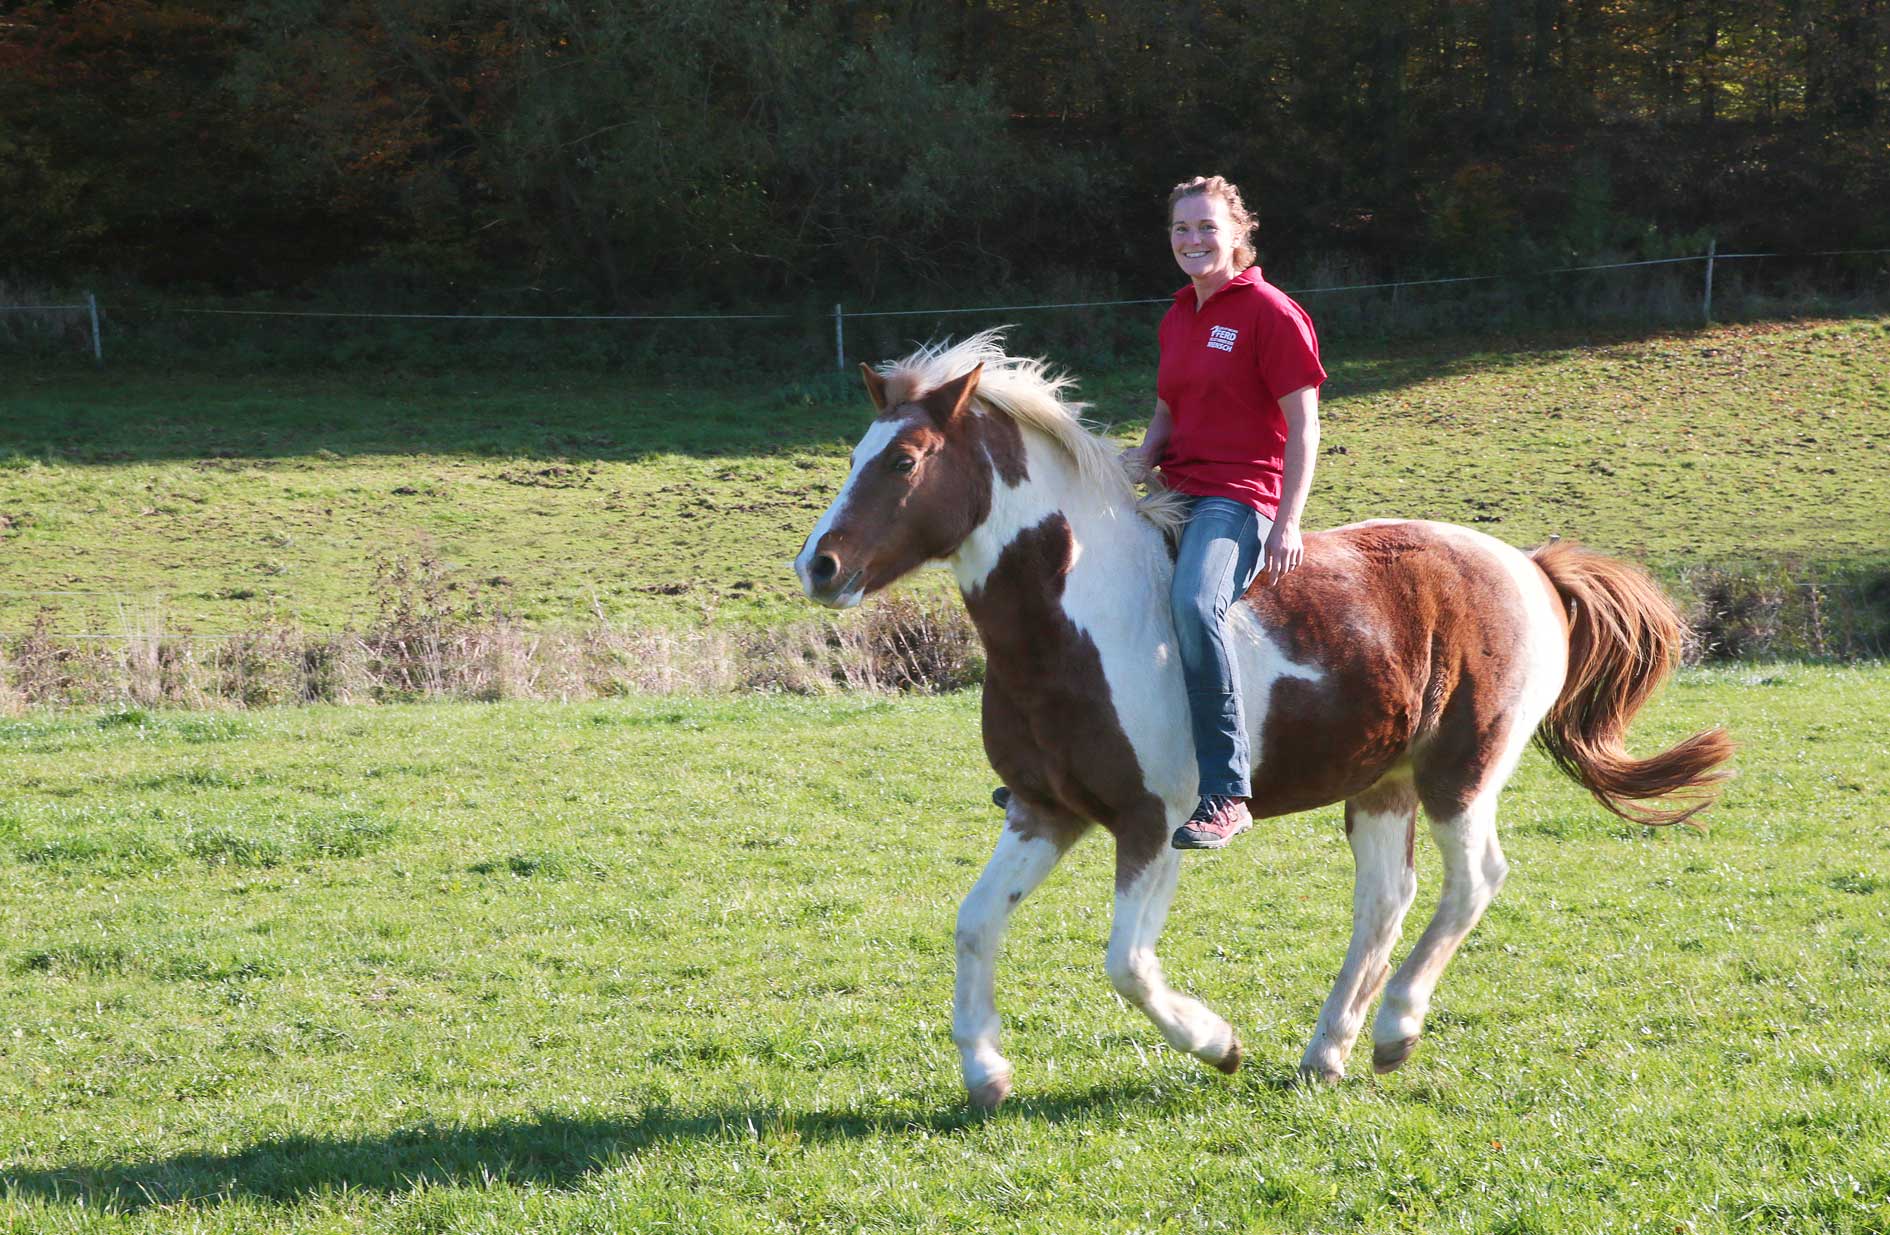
<point>1026,391</point>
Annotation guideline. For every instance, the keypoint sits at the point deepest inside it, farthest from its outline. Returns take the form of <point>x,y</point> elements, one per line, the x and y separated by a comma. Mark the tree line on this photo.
<point>645,154</point>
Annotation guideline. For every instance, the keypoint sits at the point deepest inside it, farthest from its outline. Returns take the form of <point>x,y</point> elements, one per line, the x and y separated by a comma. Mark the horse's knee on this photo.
<point>1495,871</point>
<point>1400,895</point>
<point>1132,974</point>
<point>1486,880</point>
<point>972,934</point>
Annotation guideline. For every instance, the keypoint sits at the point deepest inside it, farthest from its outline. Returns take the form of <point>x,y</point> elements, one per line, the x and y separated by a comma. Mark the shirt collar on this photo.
<point>1246,278</point>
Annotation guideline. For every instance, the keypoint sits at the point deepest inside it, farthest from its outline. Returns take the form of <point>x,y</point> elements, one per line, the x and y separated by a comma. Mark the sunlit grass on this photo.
<point>688,962</point>
<point>558,497</point>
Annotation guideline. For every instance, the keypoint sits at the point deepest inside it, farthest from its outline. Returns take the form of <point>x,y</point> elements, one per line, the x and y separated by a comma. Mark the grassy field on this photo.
<point>237,500</point>
<point>686,965</point>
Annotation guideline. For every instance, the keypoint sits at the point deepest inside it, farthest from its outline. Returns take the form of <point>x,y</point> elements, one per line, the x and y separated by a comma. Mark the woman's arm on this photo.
<point>1140,460</point>
<point>1283,549</point>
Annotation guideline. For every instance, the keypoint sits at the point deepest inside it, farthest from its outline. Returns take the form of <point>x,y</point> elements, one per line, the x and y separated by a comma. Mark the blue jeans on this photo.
<point>1220,555</point>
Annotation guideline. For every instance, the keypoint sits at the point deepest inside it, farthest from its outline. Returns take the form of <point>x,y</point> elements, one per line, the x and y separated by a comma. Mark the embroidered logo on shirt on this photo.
<point>1221,338</point>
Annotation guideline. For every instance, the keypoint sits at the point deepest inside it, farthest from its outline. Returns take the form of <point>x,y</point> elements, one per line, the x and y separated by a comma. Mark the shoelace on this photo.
<point>1212,807</point>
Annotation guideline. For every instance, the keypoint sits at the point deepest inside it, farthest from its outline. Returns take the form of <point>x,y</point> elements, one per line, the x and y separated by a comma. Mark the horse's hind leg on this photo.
<point>1379,823</point>
<point>1027,850</point>
<point>1145,887</point>
<point>1474,869</point>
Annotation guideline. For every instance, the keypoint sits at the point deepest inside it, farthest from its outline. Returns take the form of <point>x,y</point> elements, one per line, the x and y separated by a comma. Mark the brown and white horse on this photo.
<point>1405,664</point>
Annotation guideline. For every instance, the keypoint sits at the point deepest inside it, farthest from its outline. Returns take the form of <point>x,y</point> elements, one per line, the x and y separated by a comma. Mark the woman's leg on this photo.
<point>1220,554</point>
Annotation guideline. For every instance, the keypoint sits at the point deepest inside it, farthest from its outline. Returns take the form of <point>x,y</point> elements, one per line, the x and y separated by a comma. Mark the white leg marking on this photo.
<point>1382,890</point>
<point>1136,973</point>
<point>1016,867</point>
<point>1474,868</point>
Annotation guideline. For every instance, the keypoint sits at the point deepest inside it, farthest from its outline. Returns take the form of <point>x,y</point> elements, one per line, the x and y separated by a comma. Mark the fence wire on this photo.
<point>841,314</point>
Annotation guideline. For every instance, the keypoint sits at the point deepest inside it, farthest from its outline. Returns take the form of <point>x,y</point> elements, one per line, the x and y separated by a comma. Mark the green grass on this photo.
<point>686,964</point>
<point>234,500</point>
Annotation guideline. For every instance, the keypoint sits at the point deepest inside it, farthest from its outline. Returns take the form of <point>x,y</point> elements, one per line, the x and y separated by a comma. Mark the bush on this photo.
<point>1786,609</point>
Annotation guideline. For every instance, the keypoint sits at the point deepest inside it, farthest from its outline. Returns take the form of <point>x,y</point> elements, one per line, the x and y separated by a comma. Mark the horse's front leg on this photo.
<point>1028,849</point>
<point>1145,887</point>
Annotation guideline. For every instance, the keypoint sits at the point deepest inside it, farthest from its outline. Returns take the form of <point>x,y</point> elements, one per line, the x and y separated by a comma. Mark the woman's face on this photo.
<point>1203,236</point>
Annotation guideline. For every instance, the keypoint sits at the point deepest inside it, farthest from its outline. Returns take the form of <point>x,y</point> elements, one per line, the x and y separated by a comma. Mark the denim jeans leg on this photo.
<point>1219,557</point>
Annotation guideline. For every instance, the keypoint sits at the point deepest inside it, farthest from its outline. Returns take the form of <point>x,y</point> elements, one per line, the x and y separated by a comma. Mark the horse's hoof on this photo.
<point>1390,1056</point>
<point>1323,1076</point>
<point>1230,1062</point>
<point>990,1095</point>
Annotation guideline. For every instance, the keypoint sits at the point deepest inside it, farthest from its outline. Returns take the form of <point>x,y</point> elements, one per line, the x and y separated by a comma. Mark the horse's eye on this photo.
<point>904,464</point>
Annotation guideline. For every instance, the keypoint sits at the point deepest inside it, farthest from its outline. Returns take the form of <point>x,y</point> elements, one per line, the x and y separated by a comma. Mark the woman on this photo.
<point>1236,427</point>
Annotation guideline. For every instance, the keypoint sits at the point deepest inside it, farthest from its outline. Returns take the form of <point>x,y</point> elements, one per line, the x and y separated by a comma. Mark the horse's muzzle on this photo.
<point>824,584</point>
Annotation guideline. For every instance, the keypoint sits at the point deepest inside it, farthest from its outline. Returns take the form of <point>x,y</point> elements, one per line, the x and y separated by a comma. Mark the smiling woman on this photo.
<point>1236,429</point>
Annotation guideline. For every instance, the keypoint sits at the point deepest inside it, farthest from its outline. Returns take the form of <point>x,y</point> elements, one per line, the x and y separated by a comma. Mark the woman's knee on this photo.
<point>1201,610</point>
<point>1197,632</point>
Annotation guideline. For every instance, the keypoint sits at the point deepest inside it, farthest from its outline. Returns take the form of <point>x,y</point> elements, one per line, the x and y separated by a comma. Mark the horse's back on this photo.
<point>1395,640</point>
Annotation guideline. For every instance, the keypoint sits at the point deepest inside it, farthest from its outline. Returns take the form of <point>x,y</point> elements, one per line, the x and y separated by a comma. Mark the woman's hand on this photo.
<point>1301,409</point>
<point>1138,462</point>
<point>1284,551</point>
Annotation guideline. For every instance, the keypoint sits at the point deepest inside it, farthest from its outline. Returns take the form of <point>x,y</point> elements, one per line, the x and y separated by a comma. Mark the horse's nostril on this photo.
<point>825,568</point>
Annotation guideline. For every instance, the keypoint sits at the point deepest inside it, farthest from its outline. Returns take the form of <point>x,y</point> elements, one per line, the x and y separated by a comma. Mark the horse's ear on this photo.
<point>947,403</point>
<point>875,387</point>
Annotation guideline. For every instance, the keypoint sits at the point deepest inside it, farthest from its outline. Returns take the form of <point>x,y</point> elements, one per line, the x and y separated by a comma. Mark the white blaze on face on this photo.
<point>870,448</point>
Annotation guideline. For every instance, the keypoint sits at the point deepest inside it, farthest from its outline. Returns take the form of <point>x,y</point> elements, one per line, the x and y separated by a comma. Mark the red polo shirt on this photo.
<point>1224,367</point>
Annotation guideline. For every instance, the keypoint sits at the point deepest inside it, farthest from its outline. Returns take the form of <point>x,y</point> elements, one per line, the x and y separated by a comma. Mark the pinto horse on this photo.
<point>1403,665</point>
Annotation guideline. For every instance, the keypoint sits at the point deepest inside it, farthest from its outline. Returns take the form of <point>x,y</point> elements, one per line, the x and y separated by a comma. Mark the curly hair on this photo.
<point>1227,191</point>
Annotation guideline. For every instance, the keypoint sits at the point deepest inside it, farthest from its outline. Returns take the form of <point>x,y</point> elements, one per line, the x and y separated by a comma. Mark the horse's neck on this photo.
<point>1115,589</point>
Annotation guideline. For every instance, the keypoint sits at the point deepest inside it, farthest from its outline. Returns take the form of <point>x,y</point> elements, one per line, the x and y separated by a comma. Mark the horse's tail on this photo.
<point>1624,641</point>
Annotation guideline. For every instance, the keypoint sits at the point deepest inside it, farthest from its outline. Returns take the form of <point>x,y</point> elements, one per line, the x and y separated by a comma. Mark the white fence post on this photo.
<point>98,349</point>
<point>839,339</point>
<point>1712,247</point>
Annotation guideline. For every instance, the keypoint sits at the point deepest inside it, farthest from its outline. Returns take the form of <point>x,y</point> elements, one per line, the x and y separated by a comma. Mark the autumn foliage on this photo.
<point>635,153</point>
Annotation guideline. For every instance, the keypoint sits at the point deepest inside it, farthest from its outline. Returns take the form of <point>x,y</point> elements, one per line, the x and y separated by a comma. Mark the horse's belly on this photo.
<point>1317,733</point>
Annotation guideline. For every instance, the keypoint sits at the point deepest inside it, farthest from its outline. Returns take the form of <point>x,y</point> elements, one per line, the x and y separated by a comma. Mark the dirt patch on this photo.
<point>552,476</point>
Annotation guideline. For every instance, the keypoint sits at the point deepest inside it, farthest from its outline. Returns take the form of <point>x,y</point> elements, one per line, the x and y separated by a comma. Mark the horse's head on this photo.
<point>920,484</point>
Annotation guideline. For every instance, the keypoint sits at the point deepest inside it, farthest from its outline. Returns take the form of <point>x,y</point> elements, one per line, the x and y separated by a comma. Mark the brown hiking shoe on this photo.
<point>1215,822</point>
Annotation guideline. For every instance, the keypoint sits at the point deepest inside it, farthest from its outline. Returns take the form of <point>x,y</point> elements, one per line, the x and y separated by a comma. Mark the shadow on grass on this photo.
<point>552,1151</point>
<point>76,414</point>
<point>218,420</point>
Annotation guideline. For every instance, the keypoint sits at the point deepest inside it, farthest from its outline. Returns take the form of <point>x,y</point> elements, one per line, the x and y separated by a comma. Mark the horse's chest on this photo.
<point>1062,743</point>
<point>1052,729</point>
